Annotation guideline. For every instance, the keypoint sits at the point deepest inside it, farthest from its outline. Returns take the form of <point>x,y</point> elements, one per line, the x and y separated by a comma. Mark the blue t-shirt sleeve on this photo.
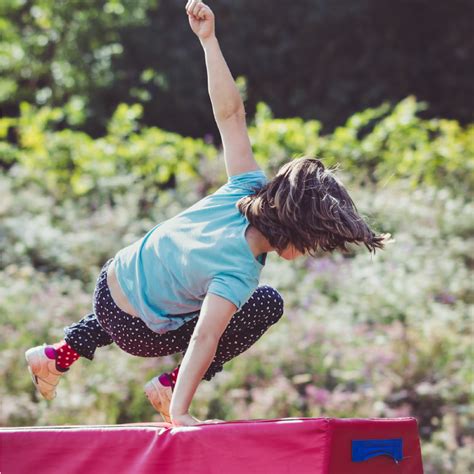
<point>246,183</point>
<point>232,288</point>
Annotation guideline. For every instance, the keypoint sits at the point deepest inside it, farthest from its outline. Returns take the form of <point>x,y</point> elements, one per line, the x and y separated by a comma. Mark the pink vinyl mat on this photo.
<point>264,446</point>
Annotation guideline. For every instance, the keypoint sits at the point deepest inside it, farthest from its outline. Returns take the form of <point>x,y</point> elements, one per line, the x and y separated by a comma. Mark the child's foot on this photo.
<point>43,369</point>
<point>159,391</point>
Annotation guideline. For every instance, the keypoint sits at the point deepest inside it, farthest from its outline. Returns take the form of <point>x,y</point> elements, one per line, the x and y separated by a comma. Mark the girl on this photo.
<point>191,283</point>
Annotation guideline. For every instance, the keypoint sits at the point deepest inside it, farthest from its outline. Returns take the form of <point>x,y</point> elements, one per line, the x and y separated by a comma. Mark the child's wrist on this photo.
<point>208,40</point>
<point>176,410</point>
<point>174,414</point>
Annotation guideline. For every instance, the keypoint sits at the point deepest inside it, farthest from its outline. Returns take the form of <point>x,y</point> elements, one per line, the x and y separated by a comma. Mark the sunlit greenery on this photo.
<point>362,336</point>
<point>320,59</point>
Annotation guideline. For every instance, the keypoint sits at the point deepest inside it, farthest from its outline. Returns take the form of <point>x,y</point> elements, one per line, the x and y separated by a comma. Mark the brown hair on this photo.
<point>306,205</point>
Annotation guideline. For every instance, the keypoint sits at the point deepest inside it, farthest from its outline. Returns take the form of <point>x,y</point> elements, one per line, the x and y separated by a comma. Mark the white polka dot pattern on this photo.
<point>110,324</point>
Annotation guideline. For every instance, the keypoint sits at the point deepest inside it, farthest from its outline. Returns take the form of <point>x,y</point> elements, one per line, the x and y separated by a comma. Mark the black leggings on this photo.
<point>108,323</point>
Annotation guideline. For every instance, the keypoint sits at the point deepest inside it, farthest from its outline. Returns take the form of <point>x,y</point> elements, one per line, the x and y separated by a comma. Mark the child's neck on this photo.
<point>257,241</point>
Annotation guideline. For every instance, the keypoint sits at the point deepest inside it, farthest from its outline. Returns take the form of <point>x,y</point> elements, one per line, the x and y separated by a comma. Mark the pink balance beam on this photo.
<point>278,446</point>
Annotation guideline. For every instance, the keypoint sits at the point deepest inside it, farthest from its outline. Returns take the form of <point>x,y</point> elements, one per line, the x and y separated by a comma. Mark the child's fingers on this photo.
<point>189,6</point>
<point>201,13</point>
<point>196,7</point>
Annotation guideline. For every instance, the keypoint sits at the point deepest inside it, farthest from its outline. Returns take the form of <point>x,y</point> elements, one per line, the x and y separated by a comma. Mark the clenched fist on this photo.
<point>201,19</point>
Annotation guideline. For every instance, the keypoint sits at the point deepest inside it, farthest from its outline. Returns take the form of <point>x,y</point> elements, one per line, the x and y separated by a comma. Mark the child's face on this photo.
<point>290,253</point>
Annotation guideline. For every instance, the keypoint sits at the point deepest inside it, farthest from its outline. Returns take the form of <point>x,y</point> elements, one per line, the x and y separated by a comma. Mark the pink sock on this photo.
<point>174,376</point>
<point>64,354</point>
<point>168,379</point>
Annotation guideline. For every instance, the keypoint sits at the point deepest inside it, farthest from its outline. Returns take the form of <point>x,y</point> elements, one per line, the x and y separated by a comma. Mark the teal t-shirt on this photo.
<point>167,273</point>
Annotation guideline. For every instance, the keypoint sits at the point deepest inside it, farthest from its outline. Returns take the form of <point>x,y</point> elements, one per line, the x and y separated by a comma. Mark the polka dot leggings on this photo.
<point>110,324</point>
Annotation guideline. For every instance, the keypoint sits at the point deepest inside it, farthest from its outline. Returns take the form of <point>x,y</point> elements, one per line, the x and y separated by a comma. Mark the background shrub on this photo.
<point>386,335</point>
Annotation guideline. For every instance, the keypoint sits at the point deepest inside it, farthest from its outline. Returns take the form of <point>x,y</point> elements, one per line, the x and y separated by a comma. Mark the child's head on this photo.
<point>305,208</point>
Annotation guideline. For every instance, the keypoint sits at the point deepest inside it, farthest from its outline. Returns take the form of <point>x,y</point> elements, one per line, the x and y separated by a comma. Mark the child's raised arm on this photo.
<point>224,94</point>
<point>227,105</point>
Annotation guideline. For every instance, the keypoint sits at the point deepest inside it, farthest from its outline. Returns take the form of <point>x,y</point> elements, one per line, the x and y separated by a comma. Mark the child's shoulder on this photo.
<point>246,182</point>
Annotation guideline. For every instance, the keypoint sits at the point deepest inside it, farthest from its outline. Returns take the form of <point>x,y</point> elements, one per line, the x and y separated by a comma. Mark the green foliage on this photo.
<point>362,336</point>
<point>57,52</point>
<point>99,54</point>
<point>436,152</point>
<point>69,163</point>
<point>277,140</point>
<point>374,146</point>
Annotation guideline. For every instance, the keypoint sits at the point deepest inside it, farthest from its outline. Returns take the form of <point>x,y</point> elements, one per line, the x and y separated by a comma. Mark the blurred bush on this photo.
<point>319,59</point>
<point>376,145</point>
<point>362,336</point>
<point>69,163</point>
<point>373,146</point>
